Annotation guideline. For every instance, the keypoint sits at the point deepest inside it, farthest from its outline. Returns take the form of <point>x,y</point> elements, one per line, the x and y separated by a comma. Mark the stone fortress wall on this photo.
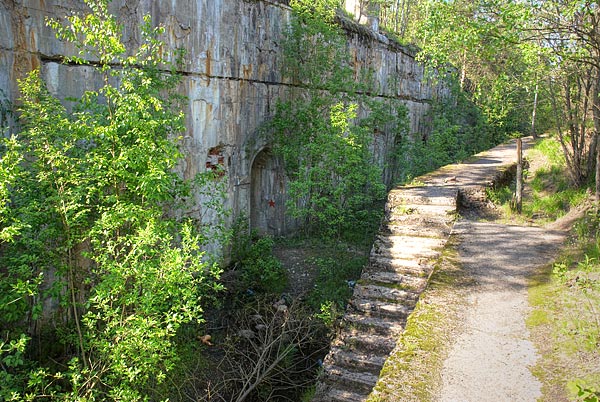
<point>232,79</point>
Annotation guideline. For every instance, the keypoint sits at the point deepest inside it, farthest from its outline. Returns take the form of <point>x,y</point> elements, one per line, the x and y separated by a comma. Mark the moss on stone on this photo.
<point>413,370</point>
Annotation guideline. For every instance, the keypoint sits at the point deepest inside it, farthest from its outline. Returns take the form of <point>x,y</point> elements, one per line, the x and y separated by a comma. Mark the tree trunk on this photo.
<point>597,192</point>
<point>535,102</point>
<point>405,17</point>
<point>596,117</point>
<point>396,15</point>
<point>463,73</point>
<point>519,187</point>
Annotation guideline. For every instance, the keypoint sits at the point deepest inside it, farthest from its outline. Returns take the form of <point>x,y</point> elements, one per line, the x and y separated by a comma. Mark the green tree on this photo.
<point>334,179</point>
<point>94,196</point>
<point>325,133</point>
<point>505,52</point>
<point>478,39</point>
<point>570,31</point>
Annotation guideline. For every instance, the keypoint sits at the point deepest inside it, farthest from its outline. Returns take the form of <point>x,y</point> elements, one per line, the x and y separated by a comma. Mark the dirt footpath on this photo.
<point>492,354</point>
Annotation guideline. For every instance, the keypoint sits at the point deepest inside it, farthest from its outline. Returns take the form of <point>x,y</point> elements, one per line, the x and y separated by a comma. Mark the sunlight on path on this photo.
<point>490,359</point>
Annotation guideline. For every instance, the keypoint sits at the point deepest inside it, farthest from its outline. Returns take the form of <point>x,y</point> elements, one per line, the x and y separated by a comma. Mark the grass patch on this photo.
<point>413,370</point>
<point>548,194</point>
<point>325,272</point>
<point>550,207</point>
<point>565,319</point>
<point>565,327</point>
<point>335,279</point>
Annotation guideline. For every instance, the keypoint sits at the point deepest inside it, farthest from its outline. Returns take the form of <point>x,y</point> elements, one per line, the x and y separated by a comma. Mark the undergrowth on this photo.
<point>566,322</point>
<point>548,194</point>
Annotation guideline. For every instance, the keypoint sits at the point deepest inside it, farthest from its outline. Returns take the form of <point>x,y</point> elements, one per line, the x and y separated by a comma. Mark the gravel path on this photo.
<point>490,358</point>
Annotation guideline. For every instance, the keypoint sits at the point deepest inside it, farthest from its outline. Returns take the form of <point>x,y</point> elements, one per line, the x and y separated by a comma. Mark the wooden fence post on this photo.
<point>519,187</point>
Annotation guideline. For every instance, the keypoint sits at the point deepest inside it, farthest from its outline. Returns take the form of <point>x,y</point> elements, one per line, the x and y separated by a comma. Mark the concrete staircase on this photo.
<point>418,221</point>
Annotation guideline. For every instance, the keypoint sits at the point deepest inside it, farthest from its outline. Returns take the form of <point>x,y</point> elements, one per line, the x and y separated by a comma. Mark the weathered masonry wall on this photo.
<point>232,78</point>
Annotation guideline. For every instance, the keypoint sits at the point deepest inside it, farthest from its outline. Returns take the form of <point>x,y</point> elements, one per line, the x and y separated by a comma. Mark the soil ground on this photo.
<point>301,272</point>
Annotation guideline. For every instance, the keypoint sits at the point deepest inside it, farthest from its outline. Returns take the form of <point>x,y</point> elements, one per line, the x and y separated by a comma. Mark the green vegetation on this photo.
<point>88,241</point>
<point>566,320</point>
<point>552,194</point>
<point>337,268</point>
<point>457,130</point>
<point>549,192</point>
<point>253,261</point>
<point>95,235</point>
<point>325,132</point>
<point>334,179</point>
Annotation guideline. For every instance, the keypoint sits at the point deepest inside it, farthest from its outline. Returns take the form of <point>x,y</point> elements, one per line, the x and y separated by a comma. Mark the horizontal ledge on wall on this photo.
<point>55,59</point>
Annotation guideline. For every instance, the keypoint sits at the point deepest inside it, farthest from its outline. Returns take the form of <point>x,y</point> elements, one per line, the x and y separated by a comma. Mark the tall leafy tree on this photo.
<point>570,29</point>
<point>506,51</point>
<point>478,39</point>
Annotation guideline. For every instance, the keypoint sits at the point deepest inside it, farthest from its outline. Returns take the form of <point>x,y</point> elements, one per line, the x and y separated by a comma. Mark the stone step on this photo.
<point>341,395</point>
<point>419,209</point>
<point>351,360</point>
<point>439,228</point>
<point>425,195</point>
<point>353,381</point>
<point>378,308</point>
<point>362,343</point>
<point>400,263</point>
<point>419,267</point>
<point>402,257</point>
<point>419,219</point>
<point>387,326</point>
<point>407,247</point>
<point>408,243</point>
<point>405,281</point>
<point>372,291</point>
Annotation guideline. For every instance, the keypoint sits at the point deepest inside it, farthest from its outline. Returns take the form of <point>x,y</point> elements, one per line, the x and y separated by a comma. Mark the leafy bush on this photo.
<point>91,190</point>
<point>457,130</point>
<point>256,268</point>
<point>260,270</point>
<point>325,135</point>
<point>334,285</point>
<point>334,178</point>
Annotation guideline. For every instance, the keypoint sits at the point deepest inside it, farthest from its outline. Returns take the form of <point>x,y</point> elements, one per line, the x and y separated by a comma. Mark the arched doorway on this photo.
<point>267,203</point>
